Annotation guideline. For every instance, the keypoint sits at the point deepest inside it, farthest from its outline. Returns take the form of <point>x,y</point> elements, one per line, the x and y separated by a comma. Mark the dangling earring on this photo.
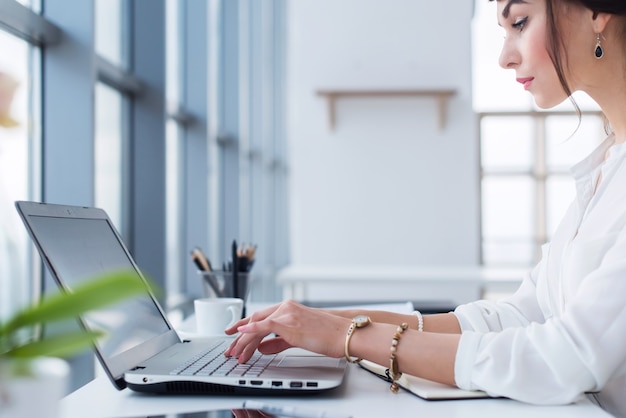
<point>599,51</point>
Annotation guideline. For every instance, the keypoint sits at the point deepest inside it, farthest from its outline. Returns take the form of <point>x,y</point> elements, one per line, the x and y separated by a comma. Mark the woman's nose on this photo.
<point>509,56</point>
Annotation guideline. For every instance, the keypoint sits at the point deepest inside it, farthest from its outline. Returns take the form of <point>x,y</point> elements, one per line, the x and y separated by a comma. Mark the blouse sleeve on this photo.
<point>518,310</point>
<point>557,360</point>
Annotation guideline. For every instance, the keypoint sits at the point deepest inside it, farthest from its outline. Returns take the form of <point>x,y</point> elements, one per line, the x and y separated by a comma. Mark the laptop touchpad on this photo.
<point>309,361</point>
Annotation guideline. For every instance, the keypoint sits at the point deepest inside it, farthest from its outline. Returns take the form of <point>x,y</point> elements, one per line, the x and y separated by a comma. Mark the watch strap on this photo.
<point>351,329</point>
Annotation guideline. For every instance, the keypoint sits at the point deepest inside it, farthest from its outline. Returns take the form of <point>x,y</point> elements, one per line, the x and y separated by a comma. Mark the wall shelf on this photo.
<point>441,95</point>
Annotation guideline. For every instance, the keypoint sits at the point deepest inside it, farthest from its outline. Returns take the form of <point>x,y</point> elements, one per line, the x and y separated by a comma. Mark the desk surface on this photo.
<point>361,396</point>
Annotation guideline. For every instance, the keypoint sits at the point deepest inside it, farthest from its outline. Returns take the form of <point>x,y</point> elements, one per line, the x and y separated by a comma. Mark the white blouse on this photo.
<point>563,333</point>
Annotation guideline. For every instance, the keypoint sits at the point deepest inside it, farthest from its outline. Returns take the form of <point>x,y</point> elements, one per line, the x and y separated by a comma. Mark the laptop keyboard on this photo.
<point>212,362</point>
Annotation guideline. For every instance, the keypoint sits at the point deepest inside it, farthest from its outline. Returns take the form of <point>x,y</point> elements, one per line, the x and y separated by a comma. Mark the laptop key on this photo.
<point>199,361</point>
<point>213,363</point>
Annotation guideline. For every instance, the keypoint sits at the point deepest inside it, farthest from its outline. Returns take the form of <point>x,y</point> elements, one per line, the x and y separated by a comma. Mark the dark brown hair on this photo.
<point>555,46</point>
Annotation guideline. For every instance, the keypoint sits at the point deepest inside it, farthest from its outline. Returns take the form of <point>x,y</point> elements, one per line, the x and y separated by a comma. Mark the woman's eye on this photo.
<point>520,23</point>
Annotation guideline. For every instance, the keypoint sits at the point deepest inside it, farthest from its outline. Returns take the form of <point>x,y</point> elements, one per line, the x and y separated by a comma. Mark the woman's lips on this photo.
<point>526,81</point>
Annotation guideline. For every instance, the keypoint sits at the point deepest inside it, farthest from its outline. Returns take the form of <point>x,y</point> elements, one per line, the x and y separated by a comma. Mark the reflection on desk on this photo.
<point>362,396</point>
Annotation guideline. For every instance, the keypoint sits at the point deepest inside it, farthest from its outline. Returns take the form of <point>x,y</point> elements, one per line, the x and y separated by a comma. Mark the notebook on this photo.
<point>141,350</point>
<point>425,389</point>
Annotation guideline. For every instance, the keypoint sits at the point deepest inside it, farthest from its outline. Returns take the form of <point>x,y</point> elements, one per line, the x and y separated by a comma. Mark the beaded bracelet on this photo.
<point>420,320</point>
<point>393,361</point>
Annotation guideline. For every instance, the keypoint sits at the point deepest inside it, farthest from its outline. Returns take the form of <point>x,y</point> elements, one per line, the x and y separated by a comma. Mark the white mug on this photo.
<point>214,315</point>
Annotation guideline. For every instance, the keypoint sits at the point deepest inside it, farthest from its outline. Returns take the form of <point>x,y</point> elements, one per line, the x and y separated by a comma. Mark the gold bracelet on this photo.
<point>393,361</point>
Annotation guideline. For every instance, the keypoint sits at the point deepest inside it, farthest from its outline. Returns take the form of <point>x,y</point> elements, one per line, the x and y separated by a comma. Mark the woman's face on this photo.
<point>525,49</point>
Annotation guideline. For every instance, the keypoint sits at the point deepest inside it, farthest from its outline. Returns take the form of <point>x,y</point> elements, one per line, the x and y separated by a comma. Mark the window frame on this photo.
<point>539,173</point>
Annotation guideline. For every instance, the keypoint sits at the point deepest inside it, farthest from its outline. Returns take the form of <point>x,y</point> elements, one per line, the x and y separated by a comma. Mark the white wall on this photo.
<point>387,186</point>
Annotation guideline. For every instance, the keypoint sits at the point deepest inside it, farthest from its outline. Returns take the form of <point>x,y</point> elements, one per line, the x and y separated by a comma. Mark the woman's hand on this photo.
<point>295,325</point>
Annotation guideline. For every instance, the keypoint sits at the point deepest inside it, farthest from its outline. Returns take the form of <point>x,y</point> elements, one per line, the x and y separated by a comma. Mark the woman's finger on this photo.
<point>244,346</point>
<point>233,328</point>
<point>256,316</point>
<point>228,352</point>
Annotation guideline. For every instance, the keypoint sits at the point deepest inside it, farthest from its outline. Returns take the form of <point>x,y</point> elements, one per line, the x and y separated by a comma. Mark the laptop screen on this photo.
<point>80,243</point>
<point>80,249</point>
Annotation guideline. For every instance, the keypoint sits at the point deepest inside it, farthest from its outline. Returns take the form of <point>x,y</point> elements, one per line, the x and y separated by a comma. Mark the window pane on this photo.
<point>16,119</point>
<point>173,53</point>
<point>174,154</point>
<point>507,143</point>
<point>174,199</point>
<point>583,101</point>
<point>109,153</point>
<point>507,206</point>
<point>567,143</point>
<point>109,33</point>
<point>514,158</point>
<point>508,221</point>
<point>508,253</point>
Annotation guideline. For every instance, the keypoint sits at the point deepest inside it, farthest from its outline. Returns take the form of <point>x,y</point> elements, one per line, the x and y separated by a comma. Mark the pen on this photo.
<point>235,269</point>
<point>202,262</point>
<point>289,411</point>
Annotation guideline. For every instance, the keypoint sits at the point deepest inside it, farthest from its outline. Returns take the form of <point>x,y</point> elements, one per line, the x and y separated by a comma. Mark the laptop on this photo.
<point>141,350</point>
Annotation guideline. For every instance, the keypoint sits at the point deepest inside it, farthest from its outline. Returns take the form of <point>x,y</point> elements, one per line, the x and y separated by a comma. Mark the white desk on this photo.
<point>446,286</point>
<point>362,396</point>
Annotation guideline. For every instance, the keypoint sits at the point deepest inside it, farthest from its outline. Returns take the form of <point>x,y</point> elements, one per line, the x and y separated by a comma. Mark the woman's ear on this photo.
<point>600,21</point>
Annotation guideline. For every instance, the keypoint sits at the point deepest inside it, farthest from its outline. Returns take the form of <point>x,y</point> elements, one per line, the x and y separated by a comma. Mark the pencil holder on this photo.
<point>225,284</point>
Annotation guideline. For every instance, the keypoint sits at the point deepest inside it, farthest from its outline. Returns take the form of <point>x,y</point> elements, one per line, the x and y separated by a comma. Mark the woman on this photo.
<point>563,333</point>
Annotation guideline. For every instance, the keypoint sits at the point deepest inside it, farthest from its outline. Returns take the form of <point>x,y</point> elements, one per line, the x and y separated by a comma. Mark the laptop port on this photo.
<point>295,384</point>
<point>242,382</point>
<point>277,383</point>
<point>256,382</point>
<point>311,384</point>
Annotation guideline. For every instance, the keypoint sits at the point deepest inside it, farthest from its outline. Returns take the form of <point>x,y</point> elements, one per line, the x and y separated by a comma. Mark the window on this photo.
<point>19,145</point>
<point>225,138</point>
<point>110,31</point>
<point>263,214</point>
<point>174,135</point>
<point>525,154</point>
<point>185,145</point>
<point>109,153</point>
<point>162,176</point>
<point>111,142</point>
<point>252,143</point>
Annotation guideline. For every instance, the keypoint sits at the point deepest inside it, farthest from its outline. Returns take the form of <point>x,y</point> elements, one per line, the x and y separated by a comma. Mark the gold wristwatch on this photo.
<point>359,321</point>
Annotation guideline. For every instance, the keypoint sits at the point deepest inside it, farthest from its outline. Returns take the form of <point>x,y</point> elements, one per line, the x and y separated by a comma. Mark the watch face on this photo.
<point>361,320</point>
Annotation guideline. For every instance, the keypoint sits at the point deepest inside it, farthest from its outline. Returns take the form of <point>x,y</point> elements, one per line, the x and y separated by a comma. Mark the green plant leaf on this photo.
<point>62,345</point>
<point>101,291</point>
